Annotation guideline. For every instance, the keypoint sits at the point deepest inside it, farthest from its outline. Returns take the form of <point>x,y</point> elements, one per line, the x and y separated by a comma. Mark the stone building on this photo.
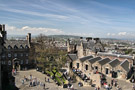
<point>99,64</point>
<point>88,65</point>
<point>16,53</point>
<point>79,62</point>
<point>116,56</point>
<point>123,69</point>
<point>82,48</point>
<point>111,68</point>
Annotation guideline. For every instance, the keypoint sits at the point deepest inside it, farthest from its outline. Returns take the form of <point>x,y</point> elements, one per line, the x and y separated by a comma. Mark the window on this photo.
<point>3,55</point>
<point>27,54</point>
<point>9,55</point>
<point>15,55</point>
<point>27,61</point>
<point>2,62</point>
<point>21,55</point>
<point>26,47</point>
<point>21,61</point>
<point>9,62</point>
<point>86,67</point>
<point>15,47</point>
<point>77,65</point>
<point>21,47</point>
<point>9,47</point>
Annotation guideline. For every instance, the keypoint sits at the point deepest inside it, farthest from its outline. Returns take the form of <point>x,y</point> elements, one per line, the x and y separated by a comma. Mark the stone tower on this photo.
<point>3,32</point>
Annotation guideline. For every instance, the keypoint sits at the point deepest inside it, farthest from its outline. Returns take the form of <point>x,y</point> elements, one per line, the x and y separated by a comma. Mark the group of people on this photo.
<point>33,81</point>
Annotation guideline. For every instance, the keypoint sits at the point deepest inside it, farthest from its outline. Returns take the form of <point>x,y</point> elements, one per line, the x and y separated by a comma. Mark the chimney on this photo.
<point>3,27</point>
<point>88,39</point>
<point>97,40</point>
<point>81,38</point>
<point>0,27</point>
<point>3,32</point>
<point>29,37</point>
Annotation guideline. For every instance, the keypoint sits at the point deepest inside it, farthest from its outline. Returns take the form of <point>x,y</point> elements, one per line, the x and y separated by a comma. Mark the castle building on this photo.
<point>82,48</point>
<point>16,52</point>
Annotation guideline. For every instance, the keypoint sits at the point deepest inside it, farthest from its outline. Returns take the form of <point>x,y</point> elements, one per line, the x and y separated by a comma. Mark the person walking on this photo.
<point>23,81</point>
<point>112,81</point>
<point>48,80</point>
<point>44,86</point>
<point>45,79</point>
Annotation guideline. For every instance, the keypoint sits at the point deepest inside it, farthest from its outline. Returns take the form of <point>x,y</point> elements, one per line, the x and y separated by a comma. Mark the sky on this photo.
<point>93,18</point>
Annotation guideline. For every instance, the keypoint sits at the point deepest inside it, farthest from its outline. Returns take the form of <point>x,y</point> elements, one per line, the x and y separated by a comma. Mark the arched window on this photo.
<point>9,62</point>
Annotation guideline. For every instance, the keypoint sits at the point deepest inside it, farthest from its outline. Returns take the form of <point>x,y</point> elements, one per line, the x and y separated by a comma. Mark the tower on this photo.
<point>3,32</point>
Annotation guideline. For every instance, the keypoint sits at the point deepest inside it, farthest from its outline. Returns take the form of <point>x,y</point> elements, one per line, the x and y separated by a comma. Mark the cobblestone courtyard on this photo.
<point>52,86</point>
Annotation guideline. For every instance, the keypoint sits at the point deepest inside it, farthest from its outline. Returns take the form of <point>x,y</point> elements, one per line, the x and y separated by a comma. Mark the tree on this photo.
<point>48,55</point>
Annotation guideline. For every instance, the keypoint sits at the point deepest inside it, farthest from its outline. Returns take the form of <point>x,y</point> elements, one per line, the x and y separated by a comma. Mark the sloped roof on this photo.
<point>72,56</point>
<point>104,61</point>
<point>125,65</point>
<point>17,43</point>
<point>86,58</point>
<point>93,60</point>
<point>114,62</point>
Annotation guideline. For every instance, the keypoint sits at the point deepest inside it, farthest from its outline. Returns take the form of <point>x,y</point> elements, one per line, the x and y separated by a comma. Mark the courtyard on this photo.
<point>125,85</point>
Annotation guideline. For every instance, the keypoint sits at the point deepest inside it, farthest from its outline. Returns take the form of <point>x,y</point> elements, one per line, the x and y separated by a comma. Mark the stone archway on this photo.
<point>16,64</point>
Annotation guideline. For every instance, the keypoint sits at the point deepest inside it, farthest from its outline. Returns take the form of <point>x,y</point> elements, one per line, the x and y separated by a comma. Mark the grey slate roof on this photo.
<point>18,43</point>
<point>114,62</point>
<point>72,56</point>
<point>104,61</point>
<point>116,55</point>
<point>85,58</point>
<point>125,65</point>
<point>93,60</point>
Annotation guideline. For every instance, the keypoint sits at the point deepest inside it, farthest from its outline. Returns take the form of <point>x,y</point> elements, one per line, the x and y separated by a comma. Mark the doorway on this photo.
<point>106,71</point>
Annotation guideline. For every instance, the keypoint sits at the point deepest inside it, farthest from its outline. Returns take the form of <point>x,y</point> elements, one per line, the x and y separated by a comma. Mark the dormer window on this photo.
<point>15,47</point>
<point>21,47</point>
<point>9,47</point>
<point>26,47</point>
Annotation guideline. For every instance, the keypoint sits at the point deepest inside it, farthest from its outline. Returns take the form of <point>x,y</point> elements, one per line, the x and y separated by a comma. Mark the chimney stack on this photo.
<point>97,40</point>
<point>88,39</point>
<point>81,38</point>
<point>29,37</point>
<point>3,32</point>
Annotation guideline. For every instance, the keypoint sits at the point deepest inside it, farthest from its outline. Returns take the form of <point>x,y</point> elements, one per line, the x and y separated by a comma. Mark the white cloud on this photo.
<point>122,33</point>
<point>34,30</point>
<point>12,30</point>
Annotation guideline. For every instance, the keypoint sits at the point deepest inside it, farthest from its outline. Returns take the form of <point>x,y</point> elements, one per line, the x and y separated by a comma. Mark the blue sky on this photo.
<point>96,18</point>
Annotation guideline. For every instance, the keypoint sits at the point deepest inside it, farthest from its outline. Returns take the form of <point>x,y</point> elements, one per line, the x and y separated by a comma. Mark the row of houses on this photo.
<point>110,67</point>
